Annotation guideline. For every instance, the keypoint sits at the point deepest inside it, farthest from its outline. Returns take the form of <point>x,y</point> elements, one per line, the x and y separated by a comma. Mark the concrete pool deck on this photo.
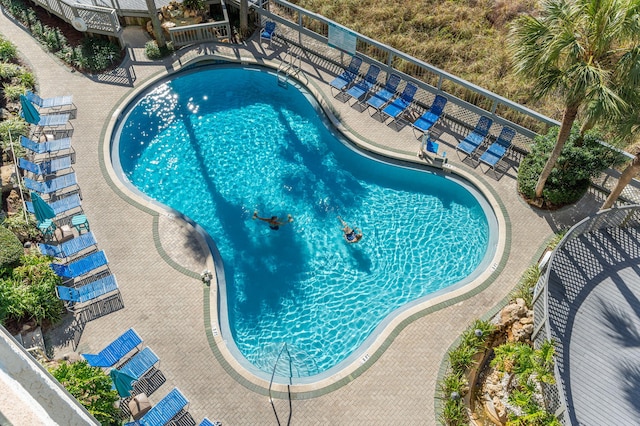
<point>157,260</point>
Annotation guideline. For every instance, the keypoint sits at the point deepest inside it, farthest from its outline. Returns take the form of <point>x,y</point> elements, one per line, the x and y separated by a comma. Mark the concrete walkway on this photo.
<point>165,303</point>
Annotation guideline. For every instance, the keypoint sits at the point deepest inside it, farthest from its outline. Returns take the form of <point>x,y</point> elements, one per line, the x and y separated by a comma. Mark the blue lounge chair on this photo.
<point>343,80</point>
<point>69,248</point>
<point>427,120</point>
<point>53,120</point>
<point>361,88</point>
<point>472,142</point>
<point>268,32</point>
<point>87,293</point>
<point>49,147</point>
<point>384,95</point>
<point>498,149</point>
<point>81,266</point>
<point>46,168</point>
<point>140,363</point>
<point>51,186</point>
<point>165,410</point>
<point>54,102</point>
<point>400,104</point>
<point>115,351</point>
<point>61,206</point>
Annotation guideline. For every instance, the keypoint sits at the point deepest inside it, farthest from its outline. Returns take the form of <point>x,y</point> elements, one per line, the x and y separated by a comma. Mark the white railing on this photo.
<point>190,34</point>
<point>102,20</point>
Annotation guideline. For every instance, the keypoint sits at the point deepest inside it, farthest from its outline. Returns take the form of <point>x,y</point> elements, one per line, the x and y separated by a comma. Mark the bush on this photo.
<point>153,52</point>
<point>580,160</point>
<point>8,71</point>
<point>194,4</point>
<point>10,248</point>
<point>94,55</point>
<point>28,291</point>
<point>91,387</point>
<point>27,79</point>
<point>8,51</point>
<point>10,131</point>
<point>25,230</point>
<point>527,283</point>
<point>12,92</point>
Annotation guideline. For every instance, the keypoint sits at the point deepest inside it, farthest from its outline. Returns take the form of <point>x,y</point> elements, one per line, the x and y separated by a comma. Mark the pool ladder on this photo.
<point>290,66</point>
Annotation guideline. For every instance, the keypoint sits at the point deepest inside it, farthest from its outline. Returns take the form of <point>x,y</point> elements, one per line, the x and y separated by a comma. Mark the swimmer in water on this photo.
<point>273,221</point>
<point>350,235</point>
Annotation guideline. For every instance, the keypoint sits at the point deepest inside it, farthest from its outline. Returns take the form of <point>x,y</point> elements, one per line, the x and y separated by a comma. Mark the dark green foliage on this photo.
<point>27,292</point>
<point>194,4</point>
<point>91,387</point>
<point>10,248</point>
<point>8,51</point>
<point>153,52</point>
<point>579,161</point>
<point>93,55</point>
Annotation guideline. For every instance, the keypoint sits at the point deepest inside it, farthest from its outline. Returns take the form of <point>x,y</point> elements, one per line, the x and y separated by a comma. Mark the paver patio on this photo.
<point>165,305</point>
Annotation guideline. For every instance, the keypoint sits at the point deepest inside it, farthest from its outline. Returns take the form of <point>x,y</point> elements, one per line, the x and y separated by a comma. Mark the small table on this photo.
<point>80,222</point>
<point>47,227</point>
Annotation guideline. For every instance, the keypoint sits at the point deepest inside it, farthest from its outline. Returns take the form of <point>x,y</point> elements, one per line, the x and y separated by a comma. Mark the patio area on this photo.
<point>158,258</point>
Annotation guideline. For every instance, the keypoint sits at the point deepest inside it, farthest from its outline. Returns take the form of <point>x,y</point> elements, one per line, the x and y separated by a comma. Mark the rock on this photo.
<point>512,312</point>
<point>167,25</point>
<point>526,320</point>
<point>197,20</point>
<point>14,202</point>
<point>7,174</point>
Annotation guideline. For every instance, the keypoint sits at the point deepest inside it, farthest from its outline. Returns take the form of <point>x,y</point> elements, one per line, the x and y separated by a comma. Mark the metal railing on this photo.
<point>467,101</point>
<point>621,217</point>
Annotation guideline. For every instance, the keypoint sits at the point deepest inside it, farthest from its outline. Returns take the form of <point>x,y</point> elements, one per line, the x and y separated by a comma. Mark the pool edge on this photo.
<point>210,306</point>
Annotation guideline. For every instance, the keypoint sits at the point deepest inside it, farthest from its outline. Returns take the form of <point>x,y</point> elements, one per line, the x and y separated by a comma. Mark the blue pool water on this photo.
<point>219,143</point>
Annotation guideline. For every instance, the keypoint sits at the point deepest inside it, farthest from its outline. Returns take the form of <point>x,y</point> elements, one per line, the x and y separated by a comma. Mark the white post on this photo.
<point>15,161</point>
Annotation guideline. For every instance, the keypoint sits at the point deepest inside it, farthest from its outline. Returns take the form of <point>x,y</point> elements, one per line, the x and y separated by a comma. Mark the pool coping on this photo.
<point>393,327</point>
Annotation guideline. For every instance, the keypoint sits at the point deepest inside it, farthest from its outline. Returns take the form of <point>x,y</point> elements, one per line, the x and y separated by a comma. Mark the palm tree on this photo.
<point>628,128</point>
<point>586,52</point>
<point>244,18</point>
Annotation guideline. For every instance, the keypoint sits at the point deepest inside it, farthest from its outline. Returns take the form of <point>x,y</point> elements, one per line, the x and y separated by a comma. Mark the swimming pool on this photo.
<point>217,154</point>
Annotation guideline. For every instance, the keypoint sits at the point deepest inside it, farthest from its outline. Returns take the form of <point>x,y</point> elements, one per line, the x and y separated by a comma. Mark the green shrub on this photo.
<point>25,230</point>
<point>91,387</point>
<point>8,51</point>
<point>95,55</point>
<point>53,39</point>
<point>10,248</point>
<point>194,4</point>
<point>11,130</point>
<point>580,160</point>
<point>527,283</point>
<point>28,291</point>
<point>8,71</point>
<point>12,92</point>
<point>27,79</point>
<point>153,52</point>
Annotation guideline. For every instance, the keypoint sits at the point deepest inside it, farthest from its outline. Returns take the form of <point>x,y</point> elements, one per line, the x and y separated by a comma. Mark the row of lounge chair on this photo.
<point>471,144</point>
<point>387,102</point>
<point>48,171</point>
<point>125,355</point>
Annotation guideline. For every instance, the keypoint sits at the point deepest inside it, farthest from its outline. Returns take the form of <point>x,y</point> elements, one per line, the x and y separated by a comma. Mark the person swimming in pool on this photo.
<point>350,235</point>
<point>273,221</point>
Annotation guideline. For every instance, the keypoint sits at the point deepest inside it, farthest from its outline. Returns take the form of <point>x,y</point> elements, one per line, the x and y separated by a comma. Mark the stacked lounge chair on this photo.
<point>69,248</point>
<point>52,186</point>
<point>63,206</point>
<point>51,148</point>
<point>170,407</point>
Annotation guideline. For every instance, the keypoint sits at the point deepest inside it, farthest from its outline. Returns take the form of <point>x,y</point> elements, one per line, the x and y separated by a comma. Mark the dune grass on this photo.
<point>466,38</point>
